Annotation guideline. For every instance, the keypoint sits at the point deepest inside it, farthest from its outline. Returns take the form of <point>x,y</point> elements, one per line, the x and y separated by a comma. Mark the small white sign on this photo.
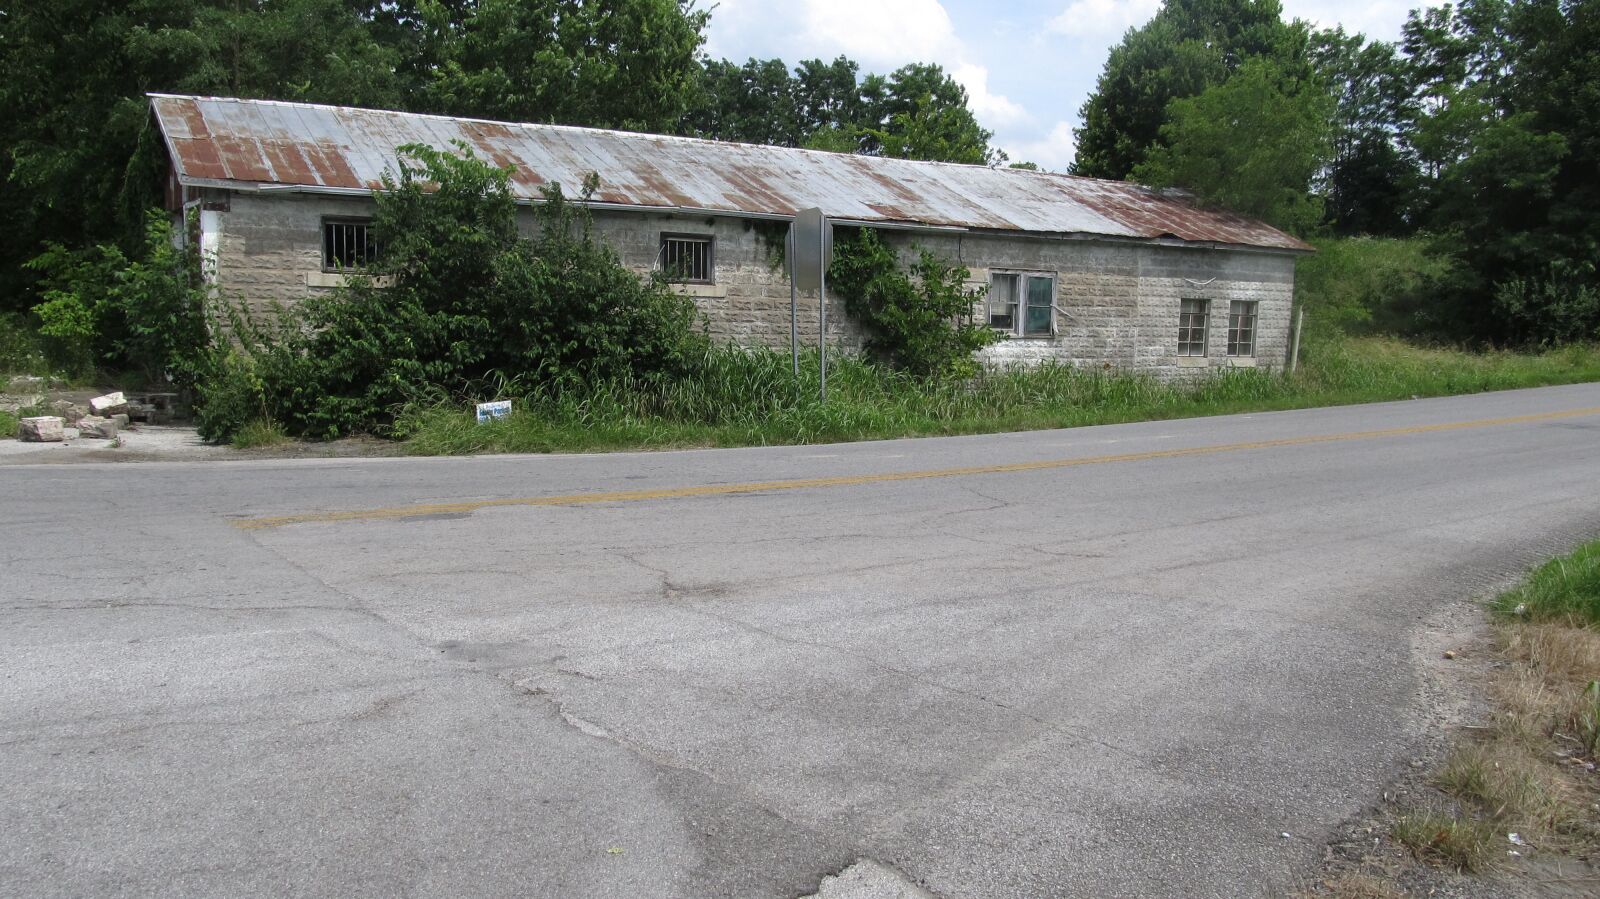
<point>491,411</point>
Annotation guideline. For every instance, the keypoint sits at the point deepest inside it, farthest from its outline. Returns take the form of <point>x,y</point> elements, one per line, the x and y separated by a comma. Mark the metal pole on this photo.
<point>1294,354</point>
<point>822,302</point>
<point>794,307</point>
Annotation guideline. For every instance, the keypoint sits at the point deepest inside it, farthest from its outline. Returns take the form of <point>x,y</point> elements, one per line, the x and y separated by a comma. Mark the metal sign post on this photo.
<point>794,308</point>
<point>811,238</point>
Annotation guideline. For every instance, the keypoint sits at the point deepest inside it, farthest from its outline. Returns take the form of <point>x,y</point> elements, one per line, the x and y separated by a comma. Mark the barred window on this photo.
<point>1241,328</point>
<point>687,259</point>
<point>347,244</point>
<point>1192,321</point>
<point>1022,305</point>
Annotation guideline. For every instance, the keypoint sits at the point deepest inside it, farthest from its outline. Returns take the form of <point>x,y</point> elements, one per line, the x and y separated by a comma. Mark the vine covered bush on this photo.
<point>456,305</point>
<point>919,319</point>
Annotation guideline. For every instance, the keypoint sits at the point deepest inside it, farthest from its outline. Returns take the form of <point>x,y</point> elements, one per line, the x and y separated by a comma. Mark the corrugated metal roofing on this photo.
<point>257,143</point>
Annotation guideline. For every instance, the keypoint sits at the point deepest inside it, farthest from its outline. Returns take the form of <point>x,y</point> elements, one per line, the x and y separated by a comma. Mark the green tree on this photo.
<point>630,64</point>
<point>72,112</point>
<point>1370,180</point>
<point>1252,144</point>
<point>916,112</point>
<point>920,112</point>
<point>752,103</point>
<point>1189,46</point>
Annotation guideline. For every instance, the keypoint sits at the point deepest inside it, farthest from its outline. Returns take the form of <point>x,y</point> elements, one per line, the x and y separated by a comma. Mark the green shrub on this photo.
<point>468,305</point>
<point>1369,285</point>
<point>918,320</point>
<point>102,309</point>
<point>20,348</point>
<point>229,396</point>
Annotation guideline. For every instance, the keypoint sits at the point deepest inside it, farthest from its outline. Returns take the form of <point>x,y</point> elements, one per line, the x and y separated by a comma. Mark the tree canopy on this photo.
<point>1252,144</point>
<point>1189,46</point>
<point>916,112</point>
<point>78,165</point>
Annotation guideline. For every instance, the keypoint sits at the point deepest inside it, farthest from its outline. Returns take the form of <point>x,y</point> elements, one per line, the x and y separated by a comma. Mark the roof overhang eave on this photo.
<point>924,227</point>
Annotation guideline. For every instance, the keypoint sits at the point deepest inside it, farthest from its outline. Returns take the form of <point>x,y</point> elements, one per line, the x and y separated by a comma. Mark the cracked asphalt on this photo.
<point>1124,678</point>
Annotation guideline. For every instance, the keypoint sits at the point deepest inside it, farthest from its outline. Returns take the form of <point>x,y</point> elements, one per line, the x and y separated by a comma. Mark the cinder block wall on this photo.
<point>1117,302</point>
<point>748,304</point>
<point>270,246</point>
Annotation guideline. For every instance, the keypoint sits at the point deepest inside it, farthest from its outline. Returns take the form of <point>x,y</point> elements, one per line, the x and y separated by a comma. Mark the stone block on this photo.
<point>110,404</point>
<point>121,418</point>
<point>41,429</point>
<point>70,412</point>
<point>97,428</point>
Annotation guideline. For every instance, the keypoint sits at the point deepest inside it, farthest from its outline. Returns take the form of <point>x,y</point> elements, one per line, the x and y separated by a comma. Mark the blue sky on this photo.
<point>1027,64</point>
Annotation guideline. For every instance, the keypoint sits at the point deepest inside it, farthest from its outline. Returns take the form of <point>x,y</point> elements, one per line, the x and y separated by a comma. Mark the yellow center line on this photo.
<point>622,496</point>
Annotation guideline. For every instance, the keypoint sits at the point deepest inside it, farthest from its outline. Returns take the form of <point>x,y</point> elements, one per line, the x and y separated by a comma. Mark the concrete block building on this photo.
<point>1077,270</point>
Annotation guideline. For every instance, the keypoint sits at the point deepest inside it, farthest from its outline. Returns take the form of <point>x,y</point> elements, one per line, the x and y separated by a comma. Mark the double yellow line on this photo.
<point>623,496</point>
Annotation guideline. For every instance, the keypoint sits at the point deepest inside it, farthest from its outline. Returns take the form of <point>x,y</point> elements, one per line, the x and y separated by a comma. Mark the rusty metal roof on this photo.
<point>258,144</point>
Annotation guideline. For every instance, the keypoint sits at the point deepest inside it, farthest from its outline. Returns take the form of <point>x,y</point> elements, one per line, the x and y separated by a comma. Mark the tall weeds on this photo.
<point>740,397</point>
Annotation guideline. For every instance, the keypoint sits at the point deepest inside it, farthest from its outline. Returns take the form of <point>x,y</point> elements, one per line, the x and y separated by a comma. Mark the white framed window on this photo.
<point>1022,304</point>
<point>688,258</point>
<point>347,244</point>
<point>1193,321</point>
<point>1241,328</point>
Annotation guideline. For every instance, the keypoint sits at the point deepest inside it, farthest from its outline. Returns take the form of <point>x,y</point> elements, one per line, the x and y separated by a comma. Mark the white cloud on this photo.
<point>1377,19</point>
<point>881,35</point>
<point>1053,151</point>
<point>992,110</point>
<point>881,32</point>
<point>1102,19</point>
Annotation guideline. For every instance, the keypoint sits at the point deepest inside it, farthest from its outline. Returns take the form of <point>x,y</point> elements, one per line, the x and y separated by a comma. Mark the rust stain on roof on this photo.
<point>251,143</point>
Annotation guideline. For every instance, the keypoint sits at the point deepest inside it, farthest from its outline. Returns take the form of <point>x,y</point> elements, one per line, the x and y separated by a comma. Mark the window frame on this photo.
<point>1187,328</point>
<point>710,241</point>
<point>330,263</point>
<point>1019,317</point>
<point>1234,327</point>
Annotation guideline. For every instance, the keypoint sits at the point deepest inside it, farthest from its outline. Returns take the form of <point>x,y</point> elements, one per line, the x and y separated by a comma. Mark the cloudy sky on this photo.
<point>1027,64</point>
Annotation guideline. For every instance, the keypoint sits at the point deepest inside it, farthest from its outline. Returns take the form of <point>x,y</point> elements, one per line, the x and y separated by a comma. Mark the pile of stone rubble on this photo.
<point>105,418</point>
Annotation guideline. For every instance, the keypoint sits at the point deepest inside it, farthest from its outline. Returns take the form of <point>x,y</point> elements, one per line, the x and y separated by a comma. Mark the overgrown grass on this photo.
<point>260,432</point>
<point>1568,587</point>
<point>1532,771</point>
<point>744,398</point>
<point>8,426</point>
<point>1465,844</point>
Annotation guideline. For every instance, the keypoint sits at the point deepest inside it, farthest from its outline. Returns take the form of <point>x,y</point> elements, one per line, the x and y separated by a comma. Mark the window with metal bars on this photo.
<point>688,259</point>
<point>1241,328</point>
<point>1193,318</point>
<point>347,244</point>
<point>1022,305</point>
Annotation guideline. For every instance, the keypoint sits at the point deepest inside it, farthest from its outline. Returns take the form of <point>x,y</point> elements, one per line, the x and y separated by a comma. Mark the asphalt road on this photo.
<point>1117,661</point>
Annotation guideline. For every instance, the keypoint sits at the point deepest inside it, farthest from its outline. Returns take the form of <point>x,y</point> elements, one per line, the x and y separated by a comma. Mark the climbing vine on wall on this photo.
<point>918,317</point>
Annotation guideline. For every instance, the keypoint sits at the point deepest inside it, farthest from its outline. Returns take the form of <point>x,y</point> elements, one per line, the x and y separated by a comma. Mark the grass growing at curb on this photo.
<point>750,398</point>
<point>1533,770</point>
<point>258,433</point>
<point>1568,587</point>
<point>8,426</point>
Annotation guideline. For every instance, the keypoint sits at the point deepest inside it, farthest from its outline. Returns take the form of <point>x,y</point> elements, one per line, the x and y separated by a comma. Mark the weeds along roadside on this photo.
<point>751,398</point>
<point>1520,795</point>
